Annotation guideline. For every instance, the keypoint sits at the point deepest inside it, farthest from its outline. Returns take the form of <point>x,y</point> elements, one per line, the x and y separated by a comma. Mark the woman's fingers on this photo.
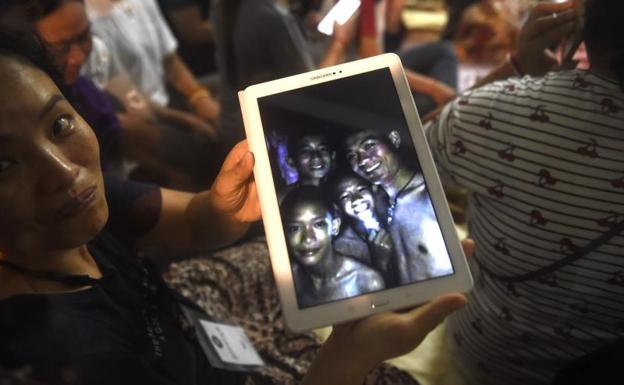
<point>544,24</point>
<point>547,9</point>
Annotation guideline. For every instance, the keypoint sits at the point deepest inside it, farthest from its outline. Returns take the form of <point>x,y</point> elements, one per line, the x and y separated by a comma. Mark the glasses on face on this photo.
<point>63,48</point>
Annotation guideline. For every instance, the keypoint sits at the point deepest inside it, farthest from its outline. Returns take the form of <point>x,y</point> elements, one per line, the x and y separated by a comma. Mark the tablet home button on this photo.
<point>376,305</point>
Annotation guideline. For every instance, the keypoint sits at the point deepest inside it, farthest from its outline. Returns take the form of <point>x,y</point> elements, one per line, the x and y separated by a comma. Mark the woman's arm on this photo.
<point>210,219</point>
<point>198,96</point>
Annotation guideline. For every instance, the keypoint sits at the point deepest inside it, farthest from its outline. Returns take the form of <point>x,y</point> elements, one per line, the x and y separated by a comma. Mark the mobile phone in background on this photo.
<point>339,13</point>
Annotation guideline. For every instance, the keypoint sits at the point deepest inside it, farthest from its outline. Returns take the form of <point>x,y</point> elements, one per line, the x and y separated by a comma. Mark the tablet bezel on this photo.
<point>366,304</point>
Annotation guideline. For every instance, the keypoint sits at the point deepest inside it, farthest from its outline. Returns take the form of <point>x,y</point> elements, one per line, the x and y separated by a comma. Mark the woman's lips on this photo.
<point>77,204</point>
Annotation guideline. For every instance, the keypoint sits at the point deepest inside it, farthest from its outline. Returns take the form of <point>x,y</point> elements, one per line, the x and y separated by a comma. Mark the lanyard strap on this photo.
<point>68,279</point>
<point>578,254</point>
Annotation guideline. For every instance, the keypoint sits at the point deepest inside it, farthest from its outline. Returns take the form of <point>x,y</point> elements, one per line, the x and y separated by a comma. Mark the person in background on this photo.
<point>190,22</point>
<point>142,45</point>
<point>258,41</point>
<point>542,155</point>
<point>132,131</point>
<point>77,304</point>
<point>486,32</point>
<point>431,68</point>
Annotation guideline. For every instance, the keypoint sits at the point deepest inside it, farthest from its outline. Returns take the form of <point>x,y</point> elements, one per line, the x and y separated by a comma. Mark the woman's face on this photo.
<point>51,187</point>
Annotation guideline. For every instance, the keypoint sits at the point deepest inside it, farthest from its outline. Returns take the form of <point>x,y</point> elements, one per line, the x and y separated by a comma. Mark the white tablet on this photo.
<point>354,213</point>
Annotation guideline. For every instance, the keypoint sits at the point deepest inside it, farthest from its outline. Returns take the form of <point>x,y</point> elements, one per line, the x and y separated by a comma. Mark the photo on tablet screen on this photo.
<point>355,208</point>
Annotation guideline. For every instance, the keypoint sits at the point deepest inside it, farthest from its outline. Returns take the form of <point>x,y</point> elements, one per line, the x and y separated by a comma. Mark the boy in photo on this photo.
<point>364,237</point>
<point>418,243</point>
<point>321,275</point>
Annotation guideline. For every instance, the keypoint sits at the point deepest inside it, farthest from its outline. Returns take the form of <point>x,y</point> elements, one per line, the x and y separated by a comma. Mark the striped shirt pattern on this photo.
<point>543,159</point>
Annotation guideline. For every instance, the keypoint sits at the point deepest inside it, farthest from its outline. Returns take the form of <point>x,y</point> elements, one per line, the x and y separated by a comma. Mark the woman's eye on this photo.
<point>344,197</point>
<point>63,125</point>
<point>293,228</point>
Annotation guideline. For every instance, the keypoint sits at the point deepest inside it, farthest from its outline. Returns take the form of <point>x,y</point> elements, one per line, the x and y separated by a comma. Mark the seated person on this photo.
<point>431,68</point>
<point>312,154</point>
<point>142,45</point>
<point>139,132</point>
<point>190,22</point>
<point>321,275</point>
<point>363,235</point>
<point>486,32</point>
<point>543,159</point>
<point>409,217</point>
<point>77,303</point>
<point>258,41</point>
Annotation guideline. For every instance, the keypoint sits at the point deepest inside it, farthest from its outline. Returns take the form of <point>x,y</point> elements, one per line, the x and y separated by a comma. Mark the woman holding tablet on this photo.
<point>77,305</point>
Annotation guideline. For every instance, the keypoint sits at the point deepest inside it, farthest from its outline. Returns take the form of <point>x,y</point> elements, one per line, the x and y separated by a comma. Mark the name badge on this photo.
<point>226,346</point>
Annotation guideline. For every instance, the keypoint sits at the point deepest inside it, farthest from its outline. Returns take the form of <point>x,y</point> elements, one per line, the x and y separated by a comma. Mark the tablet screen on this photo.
<point>356,211</point>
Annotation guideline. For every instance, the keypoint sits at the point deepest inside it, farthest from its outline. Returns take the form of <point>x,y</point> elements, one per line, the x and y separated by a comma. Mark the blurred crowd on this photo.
<point>529,143</point>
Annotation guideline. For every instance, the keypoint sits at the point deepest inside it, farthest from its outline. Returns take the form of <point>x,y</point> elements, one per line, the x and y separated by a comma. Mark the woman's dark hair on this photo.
<point>30,10</point>
<point>23,43</point>
<point>604,33</point>
<point>228,13</point>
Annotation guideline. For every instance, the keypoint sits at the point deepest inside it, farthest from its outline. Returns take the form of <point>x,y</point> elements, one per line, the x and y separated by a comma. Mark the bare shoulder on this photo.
<point>368,278</point>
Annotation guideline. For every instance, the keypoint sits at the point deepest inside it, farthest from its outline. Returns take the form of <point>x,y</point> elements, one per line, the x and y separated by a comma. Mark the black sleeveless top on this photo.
<point>125,329</point>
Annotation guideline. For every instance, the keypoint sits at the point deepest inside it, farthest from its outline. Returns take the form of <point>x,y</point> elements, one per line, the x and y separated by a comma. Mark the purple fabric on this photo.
<point>96,108</point>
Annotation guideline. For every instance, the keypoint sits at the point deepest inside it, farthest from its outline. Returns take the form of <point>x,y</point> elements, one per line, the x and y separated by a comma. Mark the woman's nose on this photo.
<point>57,172</point>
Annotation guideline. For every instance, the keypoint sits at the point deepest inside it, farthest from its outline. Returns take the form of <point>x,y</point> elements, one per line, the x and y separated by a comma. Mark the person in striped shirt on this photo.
<point>543,159</point>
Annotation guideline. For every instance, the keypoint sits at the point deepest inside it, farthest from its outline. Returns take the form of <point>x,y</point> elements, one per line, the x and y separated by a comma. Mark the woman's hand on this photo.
<point>355,348</point>
<point>547,25</point>
<point>234,190</point>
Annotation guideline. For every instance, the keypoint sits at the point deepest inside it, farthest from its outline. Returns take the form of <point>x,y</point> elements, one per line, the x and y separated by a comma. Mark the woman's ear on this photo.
<point>395,138</point>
